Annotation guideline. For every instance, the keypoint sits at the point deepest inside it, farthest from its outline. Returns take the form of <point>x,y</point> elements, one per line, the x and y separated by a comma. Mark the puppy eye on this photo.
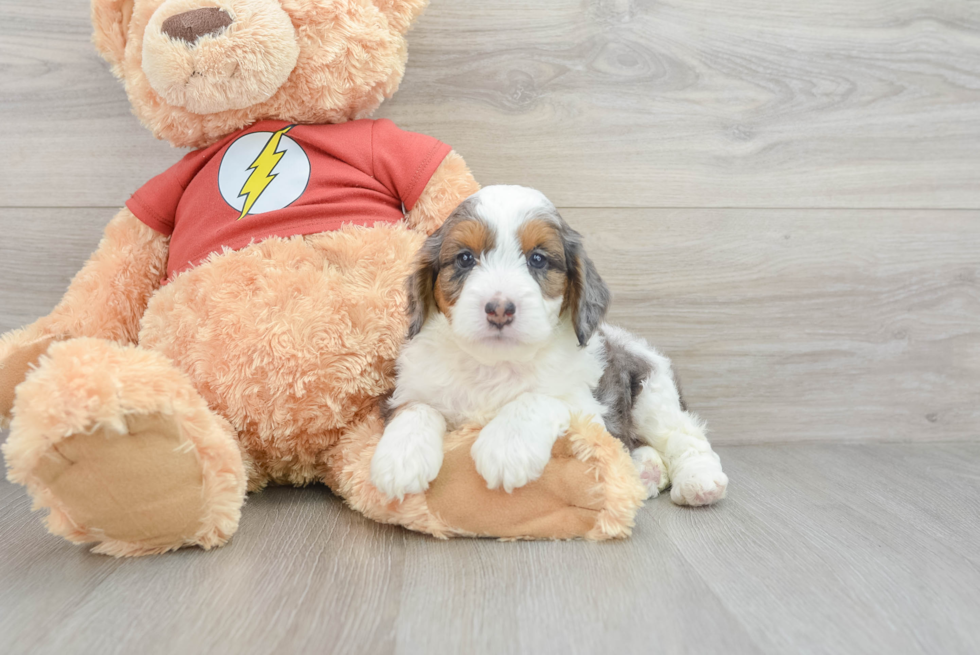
<point>537,260</point>
<point>465,259</point>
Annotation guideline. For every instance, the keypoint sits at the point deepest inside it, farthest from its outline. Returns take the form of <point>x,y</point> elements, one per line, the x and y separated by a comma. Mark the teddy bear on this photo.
<point>238,323</point>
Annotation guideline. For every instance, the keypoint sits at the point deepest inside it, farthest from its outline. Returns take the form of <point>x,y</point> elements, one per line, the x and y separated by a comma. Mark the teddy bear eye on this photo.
<point>537,260</point>
<point>465,259</point>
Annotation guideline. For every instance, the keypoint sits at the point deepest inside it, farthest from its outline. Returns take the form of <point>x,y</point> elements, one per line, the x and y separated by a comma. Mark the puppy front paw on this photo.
<point>509,456</point>
<point>409,456</point>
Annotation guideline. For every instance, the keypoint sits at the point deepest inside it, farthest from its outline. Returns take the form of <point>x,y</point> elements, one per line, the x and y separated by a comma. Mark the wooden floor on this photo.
<point>783,195</point>
<point>820,549</point>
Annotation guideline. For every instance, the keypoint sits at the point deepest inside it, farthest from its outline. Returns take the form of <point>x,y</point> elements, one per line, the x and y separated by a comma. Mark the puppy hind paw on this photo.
<point>652,470</point>
<point>698,485</point>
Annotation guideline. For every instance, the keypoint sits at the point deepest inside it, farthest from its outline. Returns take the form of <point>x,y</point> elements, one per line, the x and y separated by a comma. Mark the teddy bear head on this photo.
<point>197,70</point>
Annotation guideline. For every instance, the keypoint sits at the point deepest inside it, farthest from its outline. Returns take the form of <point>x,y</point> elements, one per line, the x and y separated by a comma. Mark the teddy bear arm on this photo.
<point>450,185</point>
<point>108,296</point>
<point>589,489</point>
<point>105,299</point>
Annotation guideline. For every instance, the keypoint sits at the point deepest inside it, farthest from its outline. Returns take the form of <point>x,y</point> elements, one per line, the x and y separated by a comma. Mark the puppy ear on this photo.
<point>422,283</point>
<point>110,25</point>
<point>401,13</point>
<point>586,295</point>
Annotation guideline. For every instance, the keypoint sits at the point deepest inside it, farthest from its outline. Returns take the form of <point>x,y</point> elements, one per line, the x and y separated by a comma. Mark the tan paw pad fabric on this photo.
<point>562,504</point>
<point>144,486</point>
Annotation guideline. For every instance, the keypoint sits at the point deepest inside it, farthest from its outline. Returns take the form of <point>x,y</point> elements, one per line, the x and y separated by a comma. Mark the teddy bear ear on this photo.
<point>110,23</point>
<point>401,13</point>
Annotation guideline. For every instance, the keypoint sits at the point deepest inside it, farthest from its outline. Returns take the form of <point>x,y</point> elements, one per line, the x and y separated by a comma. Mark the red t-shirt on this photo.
<point>277,179</point>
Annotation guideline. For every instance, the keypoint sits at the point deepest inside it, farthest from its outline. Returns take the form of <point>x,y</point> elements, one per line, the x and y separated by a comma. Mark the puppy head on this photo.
<point>504,270</point>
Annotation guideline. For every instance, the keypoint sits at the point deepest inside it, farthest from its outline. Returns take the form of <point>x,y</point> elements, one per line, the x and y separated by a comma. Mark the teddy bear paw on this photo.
<point>135,488</point>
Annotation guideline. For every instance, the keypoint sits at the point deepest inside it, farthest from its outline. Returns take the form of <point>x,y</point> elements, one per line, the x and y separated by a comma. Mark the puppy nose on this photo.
<point>500,312</point>
<point>192,25</point>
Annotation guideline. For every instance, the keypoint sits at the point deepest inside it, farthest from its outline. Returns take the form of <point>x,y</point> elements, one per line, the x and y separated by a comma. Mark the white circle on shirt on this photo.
<point>262,172</point>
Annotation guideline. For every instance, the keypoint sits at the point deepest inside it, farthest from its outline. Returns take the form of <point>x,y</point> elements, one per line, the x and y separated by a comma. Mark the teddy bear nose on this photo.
<point>192,25</point>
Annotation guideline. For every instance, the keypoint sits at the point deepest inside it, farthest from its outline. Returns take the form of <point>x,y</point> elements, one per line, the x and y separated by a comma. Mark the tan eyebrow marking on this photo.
<point>471,234</point>
<point>544,236</point>
<point>474,235</point>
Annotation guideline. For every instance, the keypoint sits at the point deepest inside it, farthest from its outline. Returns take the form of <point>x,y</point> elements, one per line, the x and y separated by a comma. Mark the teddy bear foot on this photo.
<point>134,488</point>
<point>121,449</point>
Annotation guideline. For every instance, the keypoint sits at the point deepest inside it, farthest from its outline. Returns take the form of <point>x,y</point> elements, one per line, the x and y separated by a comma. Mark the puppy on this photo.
<point>506,331</point>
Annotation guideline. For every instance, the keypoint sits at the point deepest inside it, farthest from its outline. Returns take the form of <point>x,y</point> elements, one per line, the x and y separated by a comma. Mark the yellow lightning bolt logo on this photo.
<point>262,175</point>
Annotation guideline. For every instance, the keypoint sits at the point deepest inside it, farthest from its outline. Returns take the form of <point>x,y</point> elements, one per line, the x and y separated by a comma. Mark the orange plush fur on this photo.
<point>140,414</point>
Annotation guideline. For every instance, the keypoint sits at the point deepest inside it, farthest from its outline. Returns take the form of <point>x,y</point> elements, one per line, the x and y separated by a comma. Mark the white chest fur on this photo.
<point>471,387</point>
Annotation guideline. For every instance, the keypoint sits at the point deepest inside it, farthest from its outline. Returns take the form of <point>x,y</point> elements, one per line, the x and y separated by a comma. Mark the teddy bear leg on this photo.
<point>123,451</point>
<point>590,489</point>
